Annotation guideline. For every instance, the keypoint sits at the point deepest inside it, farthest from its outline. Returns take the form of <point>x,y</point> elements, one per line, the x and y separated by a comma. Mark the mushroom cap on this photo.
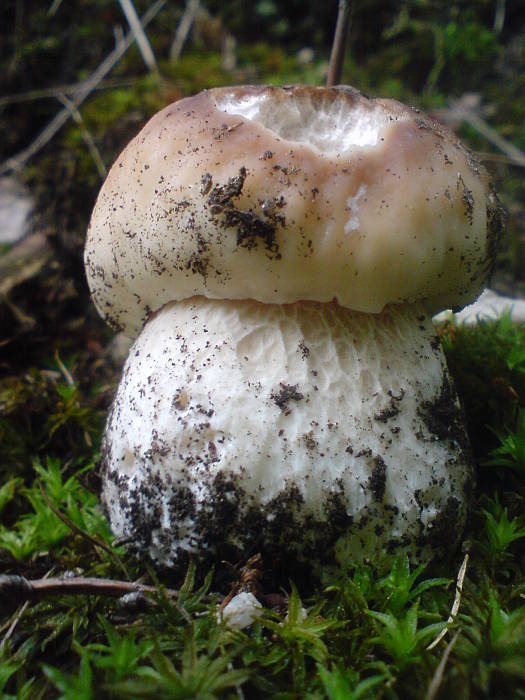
<point>287,194</point>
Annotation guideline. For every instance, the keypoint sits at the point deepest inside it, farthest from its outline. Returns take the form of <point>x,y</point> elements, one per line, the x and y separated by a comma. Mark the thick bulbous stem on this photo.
<point>306,431</point>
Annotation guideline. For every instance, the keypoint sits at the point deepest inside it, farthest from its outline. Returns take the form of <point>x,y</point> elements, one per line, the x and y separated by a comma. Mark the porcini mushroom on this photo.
<point>286,248</point>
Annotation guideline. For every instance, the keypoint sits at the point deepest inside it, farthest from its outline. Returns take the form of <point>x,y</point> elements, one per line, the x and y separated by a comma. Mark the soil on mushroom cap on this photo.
<point>250,228</point>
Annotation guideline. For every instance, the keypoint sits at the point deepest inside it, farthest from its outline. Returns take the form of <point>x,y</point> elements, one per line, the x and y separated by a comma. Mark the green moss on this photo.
<point>197,70</point>
<point>364,635</point>
<point>41,412</point>
<point>486,362</point>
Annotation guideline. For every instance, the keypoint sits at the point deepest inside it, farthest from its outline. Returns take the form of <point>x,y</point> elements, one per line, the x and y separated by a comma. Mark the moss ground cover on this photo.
<point>365,634</point>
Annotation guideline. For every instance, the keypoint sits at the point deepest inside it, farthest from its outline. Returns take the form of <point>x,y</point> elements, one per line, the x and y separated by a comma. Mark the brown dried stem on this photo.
<point>18,161</point>
<point>18,589</point>
<point>337,56</point>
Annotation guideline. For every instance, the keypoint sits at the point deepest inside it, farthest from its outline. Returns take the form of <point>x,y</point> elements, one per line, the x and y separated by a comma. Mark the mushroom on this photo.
<point>286,249</point>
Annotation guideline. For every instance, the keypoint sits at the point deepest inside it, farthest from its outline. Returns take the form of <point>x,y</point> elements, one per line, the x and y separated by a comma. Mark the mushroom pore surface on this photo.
<point>309,432</point>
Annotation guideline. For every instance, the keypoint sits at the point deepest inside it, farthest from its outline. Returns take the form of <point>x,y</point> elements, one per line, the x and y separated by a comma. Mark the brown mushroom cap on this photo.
<point>288,194</point>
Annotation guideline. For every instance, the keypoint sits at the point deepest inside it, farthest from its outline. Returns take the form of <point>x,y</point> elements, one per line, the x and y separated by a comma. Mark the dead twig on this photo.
<point>68,90</point>
<point>18,589</point>
<point>437,678</point>
<point>17,617</point>
<point>337,55</point>
<point>183,29</point>
<point>54,8</point>
<point>455,605</point>
<point>86,136</point>
<point>23,262</point>
<point>481,126</point>
<point>17,162</point>
<point>65,373</point>
<point>497,158</point>
<point>499,17</point>
<point>140,35</point>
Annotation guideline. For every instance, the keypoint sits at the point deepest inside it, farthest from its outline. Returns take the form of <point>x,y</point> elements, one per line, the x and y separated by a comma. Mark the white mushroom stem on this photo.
<point>304,430</point>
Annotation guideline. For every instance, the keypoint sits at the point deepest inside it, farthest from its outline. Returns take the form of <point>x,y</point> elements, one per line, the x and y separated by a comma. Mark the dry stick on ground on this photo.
<point>65,373</point>
<point>17,162</point>
<point>337,56</point>
<point>455,604</point>
<point>18,589</point>
<point>54,8</point>
<point>497,158</point>
<point>86,136</point>
<point>68,90</point>
<point>13,622</point>
<point>140,36</point>
<point>22,262</point>
<point>481,126</point>
<point>183,29</point>
<point>438,675</point>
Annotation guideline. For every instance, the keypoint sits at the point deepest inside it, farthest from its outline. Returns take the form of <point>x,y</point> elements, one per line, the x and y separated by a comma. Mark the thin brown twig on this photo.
<point>18,161</point>
<point>437,678</point>
<point>18,616</point>
<point>140,35</point>
<point>455,605</point>
<point>337,55</point>
<point>68,90</point>
<point>183,29</point>
<point>480,125</point>
<point>497,158</point>
<point>74,528</point>
<point>86,136</point>
<point>20,589</point>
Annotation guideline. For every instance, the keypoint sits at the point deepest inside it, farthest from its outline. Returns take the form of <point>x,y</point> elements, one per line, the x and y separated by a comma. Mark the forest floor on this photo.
<point>366,634</point>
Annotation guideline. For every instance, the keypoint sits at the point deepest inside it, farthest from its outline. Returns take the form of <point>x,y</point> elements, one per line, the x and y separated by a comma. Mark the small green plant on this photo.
<point>344,683</point>
<point>511,452</point>
<point>516,359</point>
<point>485,361</point>
<point>491,646</point>
<point>41,413</point>
<point>41,529</point>
<point>71,686</point>
<point>201,676</point>
<point>8,491</point>
<point>400,637</point>
<point>500,532</point>
<point>398,586</point>
<point>298,637</point>
<point>120,657</point>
